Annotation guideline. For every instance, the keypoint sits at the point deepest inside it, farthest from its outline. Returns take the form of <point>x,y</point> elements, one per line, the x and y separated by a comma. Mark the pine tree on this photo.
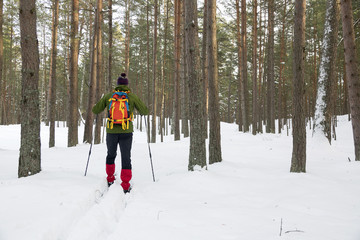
<point>73,99</point>
<point>270,125</point>
<point>197,154</point>
<point>53,81</point>
<point>89,121</point>
<point>244,67</point>
<point>298,160</point>
<point>109,85</point>
<point>281,91</point>
<point>127,36</point>
<point>177,54</point>
<point>205,70</point>
<point>164,62</point>
<point>154,115</point>
<point>352,71</point>
<point>99,70</point>
<point>2,82</point>
<point>254,71</point>
<point>30,148</point>
<point>326,79</point>
<point>241,96</point>
<point>214,136</point>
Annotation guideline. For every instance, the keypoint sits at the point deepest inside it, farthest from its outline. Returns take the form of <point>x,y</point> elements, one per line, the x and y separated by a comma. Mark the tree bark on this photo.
<point>2,82</point>
<point>185,87</point>
<point>73,100</point>
<point>154,115</point>
<point>298,161</point>
<point>214,136</point>
<point>326,79</point>
<point>315,76</point>
<point>162,110</point>
<point>52,83</point>
<point>197,153</point>
<point>281,91</point>
<point>205,70</point>
<point>270,125</point>
<point>148,64</point>
<point>89,121</point>
<point>260,88</point>
<point>244,68</point>
<point>10,113</point>
<point>30,147</point>
<point>43,78</point>
<point>241,106</point>
<point>254,71</point>
<point>177,53</point>
<point>127,36</point>
<point>346,93</point>
<point>109,87</point>
<point>352,72</point>
<point>99,72</point>
<point>229,106</point>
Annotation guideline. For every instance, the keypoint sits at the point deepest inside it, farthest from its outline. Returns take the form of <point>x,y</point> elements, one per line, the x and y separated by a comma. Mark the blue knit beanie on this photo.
<point>122,80</point>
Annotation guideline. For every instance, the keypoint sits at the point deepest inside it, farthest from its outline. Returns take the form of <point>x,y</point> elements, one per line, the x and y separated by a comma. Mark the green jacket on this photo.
<point>134,102</point>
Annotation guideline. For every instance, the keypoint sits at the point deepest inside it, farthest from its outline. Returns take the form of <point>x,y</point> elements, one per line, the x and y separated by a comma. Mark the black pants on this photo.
<point>125,141</point>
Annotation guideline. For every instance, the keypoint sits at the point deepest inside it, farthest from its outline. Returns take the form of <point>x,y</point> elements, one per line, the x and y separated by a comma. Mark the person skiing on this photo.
<point>119,130</point>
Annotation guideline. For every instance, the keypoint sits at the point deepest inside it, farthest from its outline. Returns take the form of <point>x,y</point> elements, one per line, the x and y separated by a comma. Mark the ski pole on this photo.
<point>92,139</point>
<point>87,164</point>
<point>148,137</point>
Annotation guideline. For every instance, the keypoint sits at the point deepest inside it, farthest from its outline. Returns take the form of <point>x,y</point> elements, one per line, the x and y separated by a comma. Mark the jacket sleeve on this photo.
<point>101,105</point>
<point>140,106</point>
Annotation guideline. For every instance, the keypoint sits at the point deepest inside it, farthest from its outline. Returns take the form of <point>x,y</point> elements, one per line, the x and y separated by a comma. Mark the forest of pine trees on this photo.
<point>245,62</point>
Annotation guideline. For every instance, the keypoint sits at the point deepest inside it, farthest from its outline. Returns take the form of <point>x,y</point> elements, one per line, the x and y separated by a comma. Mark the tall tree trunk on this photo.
<point>89,121</point>
<point>205,70</point>
<point>109,84</point>
<point>260,92</point>
<point>87,66</point>
<point>352,71</point>
<point>153,127</point>
<point>254,71</point>
<point>197,154</point>
<point>214,136</point>
<point>30,147</point>
<point>177,53</point>
<point>281,92</point>
<point>127,36</point>
<point>298,161</point>
<point>162,110</point>
<point>326,79</point>
<point>315,77</point>
<point>229,105</point>
<point>66,65</point>
<point>2,82</point>
<point>241,112</point>
<point>73,100</point>
<point>346,92</point>
<point>52,82</point>
<point>99,72</point>
<point>244,66</point>
<point>270,125</point>
<point>185,87</point>
<point>148,64</point>
<point>11,65</point>
<point>43,83</point>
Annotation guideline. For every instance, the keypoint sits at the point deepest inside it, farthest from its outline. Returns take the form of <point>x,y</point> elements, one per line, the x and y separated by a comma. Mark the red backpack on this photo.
<point>119,111</point>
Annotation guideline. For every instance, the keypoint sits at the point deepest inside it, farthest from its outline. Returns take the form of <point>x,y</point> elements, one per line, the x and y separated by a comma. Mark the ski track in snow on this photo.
<point>250,195</point>
<point>100,220</point>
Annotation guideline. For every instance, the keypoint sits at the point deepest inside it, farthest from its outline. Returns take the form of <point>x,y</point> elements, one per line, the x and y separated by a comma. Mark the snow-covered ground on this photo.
<point>251,195</point>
